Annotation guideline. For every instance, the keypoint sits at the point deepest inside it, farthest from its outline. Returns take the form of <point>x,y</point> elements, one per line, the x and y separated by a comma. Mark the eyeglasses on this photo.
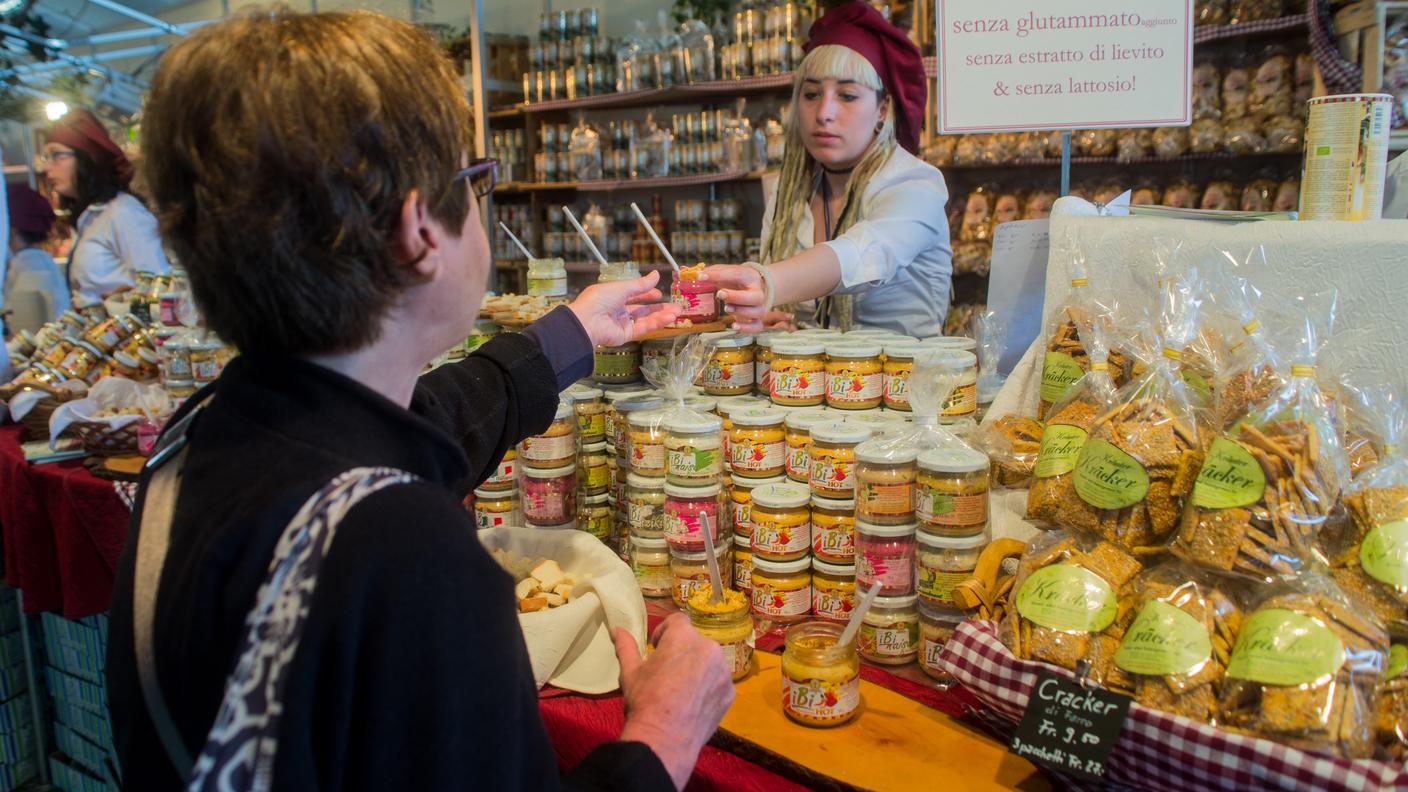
<point>482,175</point>
<point>46,157</point>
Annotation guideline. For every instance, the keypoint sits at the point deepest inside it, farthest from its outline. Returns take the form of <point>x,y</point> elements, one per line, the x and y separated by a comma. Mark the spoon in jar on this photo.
<point>853,626</point>
<point>585,236</point>
<point>516,242</point>
<point>716,581</point>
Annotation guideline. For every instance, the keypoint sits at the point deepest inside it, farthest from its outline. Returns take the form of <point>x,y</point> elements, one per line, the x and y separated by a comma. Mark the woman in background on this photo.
<point>35,292</point>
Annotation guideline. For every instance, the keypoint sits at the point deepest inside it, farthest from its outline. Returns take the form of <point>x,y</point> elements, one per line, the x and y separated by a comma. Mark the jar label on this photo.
<point>1397,661</point>
<point>545,508</point>
<point>684,587</point>
<point>1384,553</point>
<point>963,401</point>
<point>834,541</point>
<point>743,572</point>
<point>505,473</point>
<point>596,478</point>
<point>894,571</point>
<point>645,518</point>
<point>653,580</point>
<point>1198,384</point>
<point>491,519</point>
<point>832,476</point>
<point>1107,478</point>
<point>591,425</point>
<point>781,602</point>
<point>205,369</point>
<point>741,518</point>
<point>1058,371</point>
<point>738,656</point>
<point>929,652</point>
<point>727,376</point>
<point>695,304</point>
<point>952,511</point>
<point>599,526</point>
<point>694,462</point>
<point>685,525</point>
<point>544,449</point>
<point>833,604</point>
<point>819,700</point>
<point>888,500</point>
<point>615,365</point>
<point>648,457</point>
<point>764,375</point>
<point>896,641</point>
<point>797,462</point>
<point>1067,598</point>
<point>757,457</point>
<point>798,385</point>
<point>772,539</point>
<point>1164,640</point>
<point>1231,477</point>
<point>1060,448</point>
<point>897,389</point>
<point>853,387</point>
<point>937,585</point>
<point>1282,647</point>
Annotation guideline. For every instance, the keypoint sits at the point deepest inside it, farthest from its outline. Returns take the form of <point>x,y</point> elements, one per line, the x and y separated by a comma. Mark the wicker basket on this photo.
<point>36,421</point>
<point>100,439</point>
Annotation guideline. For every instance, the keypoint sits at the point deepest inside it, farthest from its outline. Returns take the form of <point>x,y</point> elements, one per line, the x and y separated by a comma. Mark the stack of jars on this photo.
<point>548,468</point>
<point>596,511</point>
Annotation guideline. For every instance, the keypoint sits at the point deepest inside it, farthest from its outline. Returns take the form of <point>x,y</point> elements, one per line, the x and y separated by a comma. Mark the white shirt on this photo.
<point>34,290</point>
<point>896,257</point>
<point>116,240</point>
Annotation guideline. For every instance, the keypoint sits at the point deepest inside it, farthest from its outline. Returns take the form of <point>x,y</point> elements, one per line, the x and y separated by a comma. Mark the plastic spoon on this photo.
<point>571,218</point>
<point>654,236</point>
<point>853,626</point>
<point>519,244</point>
<point>716,581</point>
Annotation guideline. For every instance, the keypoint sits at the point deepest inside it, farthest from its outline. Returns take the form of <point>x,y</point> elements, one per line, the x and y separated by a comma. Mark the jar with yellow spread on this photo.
<point>743,564</point>
<point>729,371</point>
<point>833,590</point>
<point>505,475</point>
<point>885,473</point>
<point>951,492</point>
<point>762,362</point>
<point>942,562</point>
<point>936,626</point>
<point>592,473</point>
<point>590,408</point>
<point>594,516</point>
<point>729,405</point>
<point>963,402</point>
<point>899,365</point>
<point>782,590</point>
<point>757,443</point>
<point>493,509</point>
<point>693,449</point>
<point>650,560</point>
<point>889,634</point>
<point>798,431</point>
<point>729,623</point>
<point>555,447</point>
<point>855,378</point>
<point>740,495</point>
<point>820,678</point>
<point>689,570</point>
<point>832,458</point>
<point>834,529</point>
<point>618,416</point>
<point>645,432</point>
<point>781,517</point>
<point>645,506</point>
<point>798,373</point>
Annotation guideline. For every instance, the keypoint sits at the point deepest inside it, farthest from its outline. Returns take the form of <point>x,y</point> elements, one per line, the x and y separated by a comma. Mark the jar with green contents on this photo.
<point>594,517</point>
<point>618,365</point>
<point>592,472</point>
<point>693,449</point>
<point>645,506</point>
<point>590,408</point>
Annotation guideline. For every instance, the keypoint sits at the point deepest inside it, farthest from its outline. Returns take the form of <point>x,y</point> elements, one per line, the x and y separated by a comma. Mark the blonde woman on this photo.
<point>858,221</point>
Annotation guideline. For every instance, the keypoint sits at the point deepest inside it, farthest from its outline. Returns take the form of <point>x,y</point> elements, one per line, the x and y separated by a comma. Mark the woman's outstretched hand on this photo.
<point>622,311</point>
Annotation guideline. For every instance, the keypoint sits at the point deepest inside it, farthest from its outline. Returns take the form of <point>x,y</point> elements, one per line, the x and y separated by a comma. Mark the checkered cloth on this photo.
<point>1341,76</point>
<point>1160,751</point>
<point>1205,33</point>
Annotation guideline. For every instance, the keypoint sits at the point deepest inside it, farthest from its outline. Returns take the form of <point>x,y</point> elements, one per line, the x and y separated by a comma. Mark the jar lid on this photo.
<point>745,542</point>
<point>564,411</point>
<point>834,504</point>
<point>862,332</point>
<point>901,601</point>
<point>878,451</point>
<point>902,349</point>
<point>781,496</point>
<point>752,483</point>
<point>648,543</point>
<point>767,340</point>
<point>732,404</point>
<point>837,432</point>
<point>644,482</point>
<point>98,353</point>
<point>126,359</point>
<point>836,570</point>
<point>637,403</point>
<point>949,358</point>
<point>953,460</point>
<point>799,346</point>
<point>579,392</point>
<point>148,355</point>
<point>761,564</point>
<point>599,445</point>
<point>172,384</point>
<point>856,348</point>
<point>495,494</point>
<point>952,342</point>
<point>758,416</point>
<point>698,555</point>
<point>817,332</point>
<point>727,339</point>
<point>207,345</point>
<point>706,491</point>
<point>614,396</point>
<point>541,473</point>
<point>807,418</point>
<point>888,531</point>
<point>940,613</point>
<point>685,423</point>
<point>646,417</point>
<point>953,542</point>
<point>704,404</point>
<point>595,500</point>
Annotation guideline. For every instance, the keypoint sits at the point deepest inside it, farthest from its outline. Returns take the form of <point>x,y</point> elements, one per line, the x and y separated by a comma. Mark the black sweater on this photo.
<point>412,672</point>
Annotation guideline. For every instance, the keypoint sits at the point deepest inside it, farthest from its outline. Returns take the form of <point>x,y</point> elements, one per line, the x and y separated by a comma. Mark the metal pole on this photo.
<point>132,13</point>
<point>136,33</point>
<point>1066,163</point>
<point>35,712</point>
<point>82,63</point>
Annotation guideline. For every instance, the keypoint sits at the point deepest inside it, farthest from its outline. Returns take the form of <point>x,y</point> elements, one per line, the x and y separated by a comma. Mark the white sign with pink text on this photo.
<point>1012,65</point>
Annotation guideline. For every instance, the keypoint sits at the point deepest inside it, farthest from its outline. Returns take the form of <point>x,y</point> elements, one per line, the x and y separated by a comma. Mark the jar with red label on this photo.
<point>855,378</point>
<point>798,373</point>
<point>834,529</point>
<point>549,495</point>
<point>105,335</point>
<point>781,518</point>
<point>493,509</point>
<point>697,298</point>
<point>782,590</point>
<point>885,473</point>
<point>689,571</point>
<point>686,510</point>
<point>555,447</point>
<point>798,432</point>
<point>729,405</point>
<point>743,563</point>
<point>832,454</point>
<point>885,555</point>
<point>820,675</point>
<point>729,371</point>
<point>207,360</point>
<point>757,443</point>
<point>898,368</point>
<point>505,475</point>
<point>740,495</point>
<point>833,590</point>
<point>762,362</point>
<point>645,434</point>
<point>81,360</point>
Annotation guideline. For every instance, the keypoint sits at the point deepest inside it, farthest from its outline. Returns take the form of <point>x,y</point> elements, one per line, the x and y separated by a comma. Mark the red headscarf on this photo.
<point>83,131</point>
<point>29,211</point>
<point>896,59</point>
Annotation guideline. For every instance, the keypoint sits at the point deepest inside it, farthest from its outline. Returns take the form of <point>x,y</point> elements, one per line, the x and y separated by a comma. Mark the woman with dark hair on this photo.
<point>117,235</point>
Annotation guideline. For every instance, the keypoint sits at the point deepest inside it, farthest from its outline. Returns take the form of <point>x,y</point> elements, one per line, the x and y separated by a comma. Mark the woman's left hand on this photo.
<point>622,311</point>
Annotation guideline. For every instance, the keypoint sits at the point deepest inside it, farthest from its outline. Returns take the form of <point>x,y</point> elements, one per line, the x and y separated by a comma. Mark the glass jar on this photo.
<point>855,378</point>
<point>899,365</point>
<point>646,441</point>
<point>936,626</point>
<point>757,443</point>
<point>656,349</point>
<point>549,495</point>
<point>889,634</point>
<point>832,458</point>
<point>729,623</point>
<point>207,360</point>
<point>702,404</point>
<point>505,475</point>
<point>547,277</point>
<point>555,447</point>
<point>617,365</point>
<point>743,563</point>
<point>645,506</point>
<point>833,590</point>
<point>942,562</point>
<point>180,391</point>
<point>762,362</point>
<point>781,517</point>
<point>689,571</point>
<point>104,335</point>
<point>951,492</point>
<point>619,405</point>
<point>494,508</point>
<point>729,405</point>
<point>698,299</point>
<point>693,449</point>
<point>592,470</point>
<point>798,373</point>
<point>963,402</point>
<point>782,590</point>
<point>589,406</point>
<point>885,483</point>
<point>834,529</point>
<point>81,360</point>
<point>740,495</point>
<point>729,371</point>
<point>613,271</point>
<point>820,678</point>
<point>685,509</point>
<point>798,426</point>
<point>879,422</point>
<point>594,516</point>
<point>885,555</point>
<point>650,560</point>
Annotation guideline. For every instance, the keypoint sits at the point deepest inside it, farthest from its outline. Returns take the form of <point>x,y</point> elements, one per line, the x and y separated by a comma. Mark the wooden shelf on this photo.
<point>1220,156</point>
<point>609,185</point>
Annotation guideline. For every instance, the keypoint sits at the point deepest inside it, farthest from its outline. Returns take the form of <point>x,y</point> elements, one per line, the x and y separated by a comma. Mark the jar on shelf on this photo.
<point>834,529</point>
<point>494,508</point>
<point>833,590</point>
<point>757,443</point>
<point>729,405</point>
<point>889,633</point>
<point>547,277</point>
<point>689,571</point>
<point>646,442</point>
<point>961,343</point>
<point>686,508</point>
<point>899,366</point>
<point>963,402</point>
<point>81,360</point>
<point>556,446</point>
<point>936,626</point>
<point>781,517</point>
<point>885,474</point>
<point>942,562</point>
<point>645,506</point>
<point>505,475</point>
<point>740,494</point>
<point>698,299</point>
<point>762,362</point>
<point>832,458</point>
<point>616,365</point>
<point>589,405</point>
<point>782,590</point>
<point>729,371</point>
<point>592,473</point>
<point>951,492</point>
<point>207,360</point>
<point>798,373</point>
<point>798,429</point>
<point>854,375</point>
<point>549,495</point>
<point>105,335</point>
<point>650,561</point>
<point>594,516</point>
<point>619,405</point>
<point>618,271</point>
<point>693,449</point>
<point>885,555</point>
<point>743,563</point>
<point>729,623</point>
<point>820,677</point>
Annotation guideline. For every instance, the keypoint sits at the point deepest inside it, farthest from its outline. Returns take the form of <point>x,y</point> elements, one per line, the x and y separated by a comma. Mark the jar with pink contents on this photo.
<point>684,506</point>
<point>549,495</point>
<point>885,555</point>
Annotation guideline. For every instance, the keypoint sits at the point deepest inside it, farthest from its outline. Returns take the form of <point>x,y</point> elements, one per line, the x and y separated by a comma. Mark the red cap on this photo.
<point>83,131</point>
<point>29,211</point>
<point>896,59</point>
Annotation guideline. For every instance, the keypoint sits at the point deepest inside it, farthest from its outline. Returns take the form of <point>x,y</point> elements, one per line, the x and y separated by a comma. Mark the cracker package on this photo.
<point>1182,626</point>
<point>1305,670</point>
<point>1391,725</point>
<point>1013,443</point>
<point>1249,373</point>
<point>1070,597</point>
<point>1066,358</point>
<point>1270,480</point>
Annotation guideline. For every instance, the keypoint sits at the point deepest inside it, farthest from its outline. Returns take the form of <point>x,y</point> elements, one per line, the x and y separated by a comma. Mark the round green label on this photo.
<point>1164,640</point>
<point>1067,598</point>
<point>1282,647</point>
<point>1397,661</point>
<point>1060,448</point>
<point>1384,553</point>
<point>1198,384</point>
<point>1108,478</point>
<point>1231,478</point>
<point>1058,371</point>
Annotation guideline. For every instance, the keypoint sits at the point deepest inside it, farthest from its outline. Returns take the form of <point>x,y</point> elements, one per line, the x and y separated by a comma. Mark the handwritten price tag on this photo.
<point>1069,728</point>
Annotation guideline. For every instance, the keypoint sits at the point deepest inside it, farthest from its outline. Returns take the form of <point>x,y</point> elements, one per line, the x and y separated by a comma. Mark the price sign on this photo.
<point>1069,728</point>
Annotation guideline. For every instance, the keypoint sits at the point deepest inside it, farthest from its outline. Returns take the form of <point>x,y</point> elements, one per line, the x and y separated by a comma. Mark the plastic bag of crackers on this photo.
<point>1066,359</point>
<point>1249,374</point>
